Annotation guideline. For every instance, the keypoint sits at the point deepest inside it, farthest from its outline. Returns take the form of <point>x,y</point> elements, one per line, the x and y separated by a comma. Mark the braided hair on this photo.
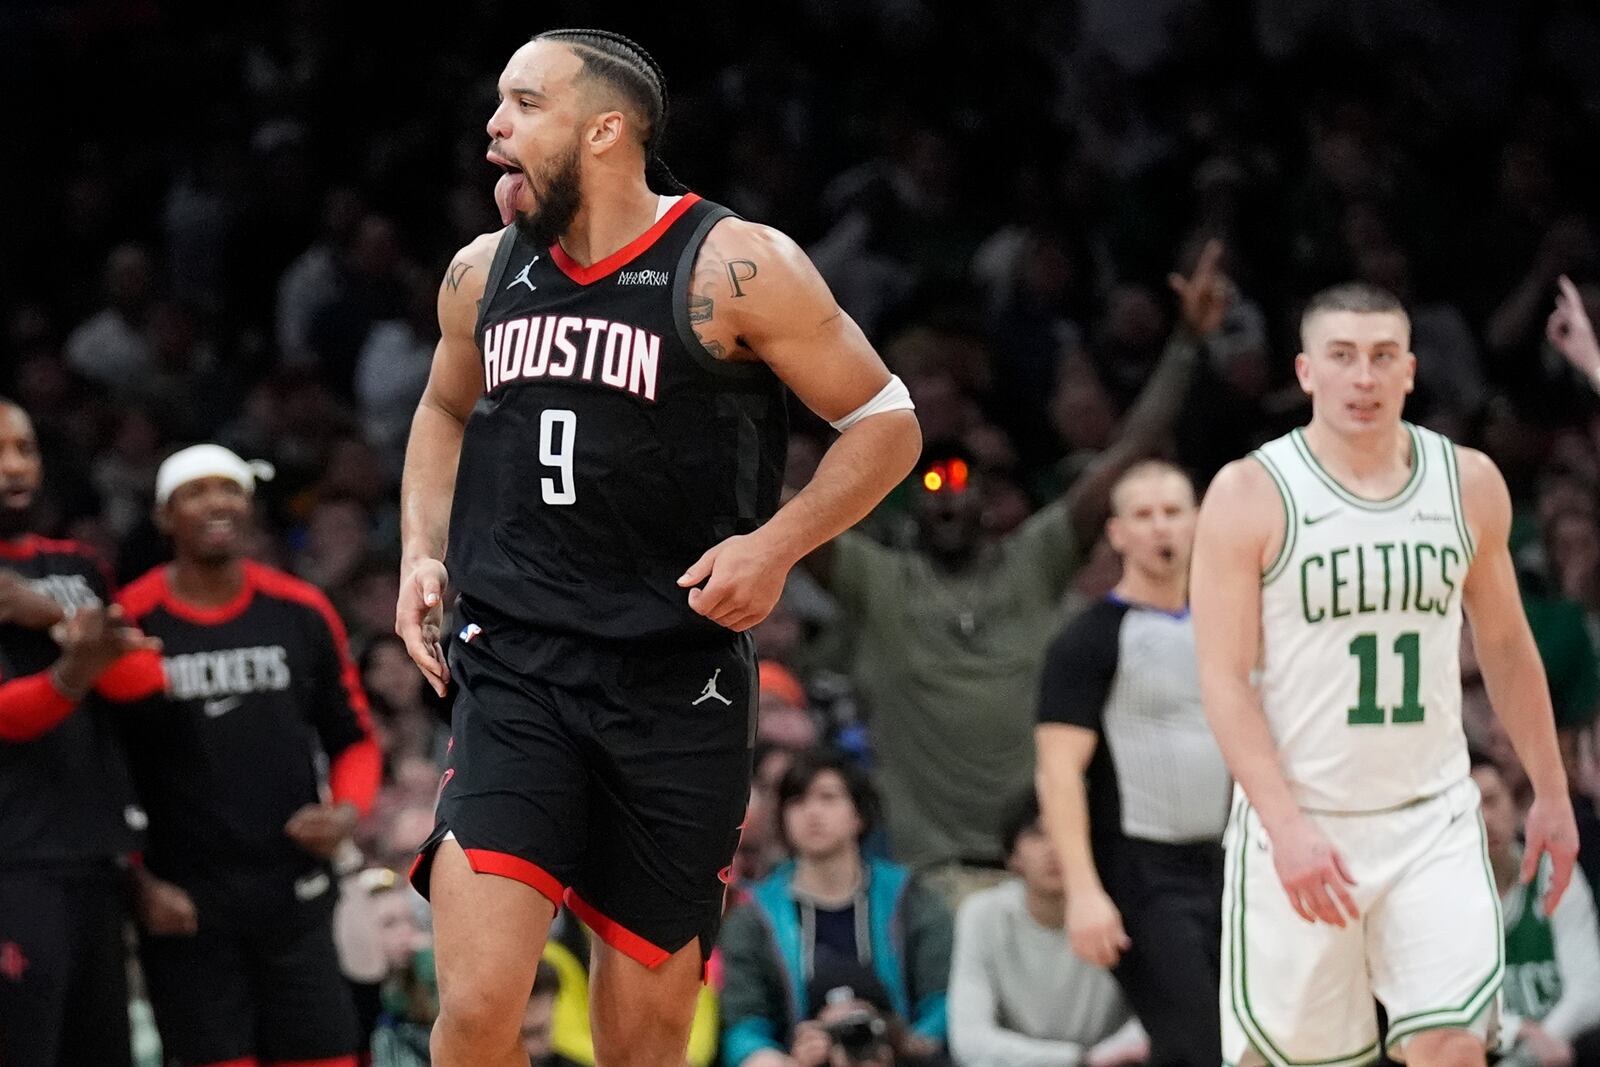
<point>626,66</point>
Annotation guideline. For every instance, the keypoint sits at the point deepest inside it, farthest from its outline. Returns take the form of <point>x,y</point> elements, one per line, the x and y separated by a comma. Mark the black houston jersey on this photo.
<point>258,692</point>
<point>609,450</point>
<point>64,795</point>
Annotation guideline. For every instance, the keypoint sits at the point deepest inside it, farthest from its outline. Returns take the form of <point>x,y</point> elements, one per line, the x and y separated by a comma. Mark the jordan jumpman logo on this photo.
<point>710,691</point>
<point>522,278</point>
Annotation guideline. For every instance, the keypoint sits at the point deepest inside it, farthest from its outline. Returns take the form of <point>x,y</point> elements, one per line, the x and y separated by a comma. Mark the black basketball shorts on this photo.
<point>63,978</point>
<point>612,779</point>
<point>258,983</point>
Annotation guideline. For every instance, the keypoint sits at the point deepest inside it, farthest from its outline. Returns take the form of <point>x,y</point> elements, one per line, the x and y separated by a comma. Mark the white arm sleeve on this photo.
<point>892,397</point>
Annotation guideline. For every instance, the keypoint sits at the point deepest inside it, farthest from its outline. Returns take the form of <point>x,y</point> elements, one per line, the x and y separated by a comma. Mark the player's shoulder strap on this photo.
<point>497,270</point>
<point>1279,459</point>
<point>703,216</point>
<point>1279,456</point>
<point>1450,473</point>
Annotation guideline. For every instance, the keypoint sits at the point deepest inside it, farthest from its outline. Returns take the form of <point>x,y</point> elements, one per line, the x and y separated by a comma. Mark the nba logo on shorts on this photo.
<point>468,632</point>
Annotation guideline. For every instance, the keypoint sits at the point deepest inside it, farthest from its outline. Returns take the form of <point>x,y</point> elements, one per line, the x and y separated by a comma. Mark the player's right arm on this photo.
<point>1240,520</point>
<point>1513,673</point>
<point>432,454</point>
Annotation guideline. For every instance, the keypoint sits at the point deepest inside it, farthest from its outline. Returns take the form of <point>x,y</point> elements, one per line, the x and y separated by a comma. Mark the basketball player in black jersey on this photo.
<point>606,408</point>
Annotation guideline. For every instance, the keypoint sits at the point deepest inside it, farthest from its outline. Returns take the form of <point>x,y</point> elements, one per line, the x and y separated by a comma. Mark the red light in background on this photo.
<point>946,476</point>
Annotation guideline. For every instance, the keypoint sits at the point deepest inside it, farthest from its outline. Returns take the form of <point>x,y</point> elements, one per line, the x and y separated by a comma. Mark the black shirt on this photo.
<point>64,795</point>
<point>609,450</point>
<point>259,693</point>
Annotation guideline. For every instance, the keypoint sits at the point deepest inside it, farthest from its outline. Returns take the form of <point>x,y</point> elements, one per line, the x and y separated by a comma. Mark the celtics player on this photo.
<point>1339,559</point>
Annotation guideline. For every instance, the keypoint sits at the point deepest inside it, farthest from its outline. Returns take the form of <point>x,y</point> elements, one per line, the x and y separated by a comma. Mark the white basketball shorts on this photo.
<point>1429,944</point>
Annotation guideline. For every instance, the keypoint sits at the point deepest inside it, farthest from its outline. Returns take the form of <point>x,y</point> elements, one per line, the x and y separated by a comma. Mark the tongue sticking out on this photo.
<point>506,193</point>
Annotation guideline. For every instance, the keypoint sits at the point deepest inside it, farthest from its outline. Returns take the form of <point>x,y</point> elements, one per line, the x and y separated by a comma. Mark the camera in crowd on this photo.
<point>861,1034</point>
<point>851,1006</point>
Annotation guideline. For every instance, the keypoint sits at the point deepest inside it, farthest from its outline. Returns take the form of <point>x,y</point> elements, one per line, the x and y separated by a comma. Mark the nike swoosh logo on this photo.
<point>1310,521</point>
<point>217,708</point>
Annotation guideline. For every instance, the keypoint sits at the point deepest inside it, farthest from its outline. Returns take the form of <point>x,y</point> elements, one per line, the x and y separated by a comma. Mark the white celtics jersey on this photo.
<point>1361,627</point>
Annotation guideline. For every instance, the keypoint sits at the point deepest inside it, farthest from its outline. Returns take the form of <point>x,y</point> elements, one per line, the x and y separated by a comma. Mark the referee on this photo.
<point>1138,820</point>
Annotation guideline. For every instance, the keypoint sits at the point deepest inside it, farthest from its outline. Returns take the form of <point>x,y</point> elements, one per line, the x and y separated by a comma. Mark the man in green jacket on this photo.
<point>949,637</point>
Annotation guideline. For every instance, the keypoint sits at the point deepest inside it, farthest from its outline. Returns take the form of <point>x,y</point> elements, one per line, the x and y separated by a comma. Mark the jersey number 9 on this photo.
<point>558,431</point>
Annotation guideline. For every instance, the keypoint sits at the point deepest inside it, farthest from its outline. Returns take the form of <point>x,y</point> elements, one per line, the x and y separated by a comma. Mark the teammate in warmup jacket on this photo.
<point>607,410</point>
<point>66,821</point>
<point>236,893</point>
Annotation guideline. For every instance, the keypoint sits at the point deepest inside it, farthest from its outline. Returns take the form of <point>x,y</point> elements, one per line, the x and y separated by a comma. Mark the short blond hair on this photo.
<point>1146,468</point>
<point>1363,298</point>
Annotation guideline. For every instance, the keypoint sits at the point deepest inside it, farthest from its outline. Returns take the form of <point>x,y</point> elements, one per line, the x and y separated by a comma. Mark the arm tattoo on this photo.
<point>740,270</point>
<point>458,271</point>
<point>700,309</point>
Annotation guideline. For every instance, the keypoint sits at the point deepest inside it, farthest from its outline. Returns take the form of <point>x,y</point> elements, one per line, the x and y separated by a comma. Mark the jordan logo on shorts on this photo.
<point>523,277</point>
<point>710,691</point>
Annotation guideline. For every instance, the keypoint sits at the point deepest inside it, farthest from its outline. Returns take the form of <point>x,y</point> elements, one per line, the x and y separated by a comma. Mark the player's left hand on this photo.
<point>743,581</point>
<point>321,828</point>
<point>1550,828</point>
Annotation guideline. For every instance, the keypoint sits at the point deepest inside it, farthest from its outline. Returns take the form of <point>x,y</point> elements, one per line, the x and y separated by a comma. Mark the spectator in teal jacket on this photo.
<point>830,906</point>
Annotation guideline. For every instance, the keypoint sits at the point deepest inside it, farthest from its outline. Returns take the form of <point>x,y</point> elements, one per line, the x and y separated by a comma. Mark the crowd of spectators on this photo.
<point>229,226</point>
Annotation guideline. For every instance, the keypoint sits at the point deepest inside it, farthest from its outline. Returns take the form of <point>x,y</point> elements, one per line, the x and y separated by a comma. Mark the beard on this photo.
<point>557,197</point>
<point>14,522</point>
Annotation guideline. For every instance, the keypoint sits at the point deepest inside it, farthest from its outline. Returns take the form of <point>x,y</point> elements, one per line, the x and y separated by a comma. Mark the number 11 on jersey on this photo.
<point>1367,710</point>
<point>558,431</point>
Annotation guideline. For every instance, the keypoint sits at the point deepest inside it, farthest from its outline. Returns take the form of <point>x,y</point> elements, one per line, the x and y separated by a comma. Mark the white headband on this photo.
<point>208,461</point>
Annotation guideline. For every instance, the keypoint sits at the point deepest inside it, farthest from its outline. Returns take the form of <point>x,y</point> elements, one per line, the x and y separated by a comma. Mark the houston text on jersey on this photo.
<point>565,346</point>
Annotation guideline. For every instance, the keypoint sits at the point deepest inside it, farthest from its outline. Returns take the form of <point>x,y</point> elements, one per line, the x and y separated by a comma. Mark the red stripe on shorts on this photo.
<point>616,935</point>
<point>485,861</point>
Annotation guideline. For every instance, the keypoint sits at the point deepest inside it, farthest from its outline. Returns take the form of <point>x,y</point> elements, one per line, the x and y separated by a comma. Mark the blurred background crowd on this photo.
<point>229,224</point>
